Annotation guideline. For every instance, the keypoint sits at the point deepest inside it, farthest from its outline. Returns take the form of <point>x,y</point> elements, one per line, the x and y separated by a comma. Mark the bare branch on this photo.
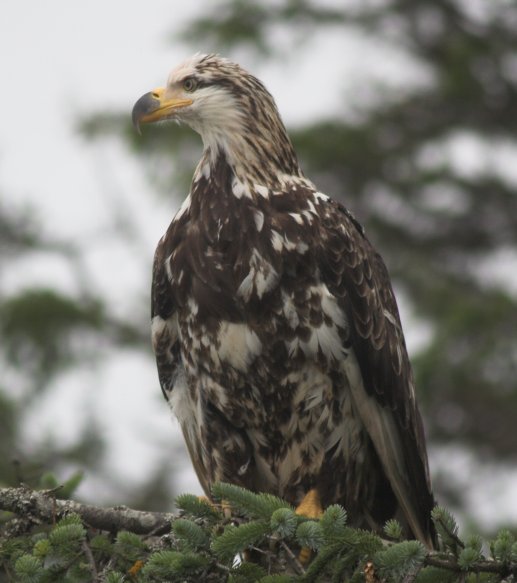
<point>41,506</point>
<point>294,559</point>
<point>481,566</point>
<point>91,561</point>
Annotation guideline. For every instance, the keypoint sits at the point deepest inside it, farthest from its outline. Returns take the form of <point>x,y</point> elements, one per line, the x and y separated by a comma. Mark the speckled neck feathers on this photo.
<point>240,125</point>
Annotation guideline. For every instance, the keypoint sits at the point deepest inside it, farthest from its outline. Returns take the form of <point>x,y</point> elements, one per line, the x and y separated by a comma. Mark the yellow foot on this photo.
<point>137,566</point>
<point>310,507</point>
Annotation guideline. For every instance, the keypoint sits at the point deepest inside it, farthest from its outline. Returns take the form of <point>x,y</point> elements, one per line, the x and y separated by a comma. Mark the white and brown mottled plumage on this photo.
<point>275,327</point>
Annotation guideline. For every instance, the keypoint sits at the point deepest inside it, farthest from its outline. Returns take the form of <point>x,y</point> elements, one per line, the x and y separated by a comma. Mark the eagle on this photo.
<point>274,323</point>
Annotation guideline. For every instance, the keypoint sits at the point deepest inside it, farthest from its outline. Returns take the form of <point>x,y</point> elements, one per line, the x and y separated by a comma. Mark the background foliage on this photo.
<point>425,166</point>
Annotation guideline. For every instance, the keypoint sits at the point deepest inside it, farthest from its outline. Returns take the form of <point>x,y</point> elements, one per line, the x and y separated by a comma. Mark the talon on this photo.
<point>135,569</point>
<point>304,556</point>
<point>310,506</point>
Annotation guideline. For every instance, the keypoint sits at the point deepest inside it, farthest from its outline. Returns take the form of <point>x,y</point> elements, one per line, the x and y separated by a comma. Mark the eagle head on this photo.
<point>226,105</point>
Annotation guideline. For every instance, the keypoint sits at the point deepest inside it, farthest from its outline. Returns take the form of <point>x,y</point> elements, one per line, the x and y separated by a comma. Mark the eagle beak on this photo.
<point>154,106</point>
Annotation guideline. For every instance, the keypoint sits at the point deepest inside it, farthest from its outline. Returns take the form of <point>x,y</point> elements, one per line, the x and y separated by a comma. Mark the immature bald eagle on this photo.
<point>275,327</point>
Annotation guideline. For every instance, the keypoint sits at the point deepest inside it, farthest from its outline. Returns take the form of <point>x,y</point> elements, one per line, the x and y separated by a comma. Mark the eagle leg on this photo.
<point>310,507</point>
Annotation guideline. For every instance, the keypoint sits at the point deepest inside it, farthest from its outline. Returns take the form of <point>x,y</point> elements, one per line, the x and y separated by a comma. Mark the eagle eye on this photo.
<point>190,84</point>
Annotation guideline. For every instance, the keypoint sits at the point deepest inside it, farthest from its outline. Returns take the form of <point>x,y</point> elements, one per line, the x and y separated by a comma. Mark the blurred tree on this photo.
<point>46,333</point>
<point>447,228</point>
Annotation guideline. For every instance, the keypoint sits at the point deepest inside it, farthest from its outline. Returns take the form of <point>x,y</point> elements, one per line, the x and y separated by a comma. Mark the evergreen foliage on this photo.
<point>393,529</point>
<point>252,505</point>
<point>236,539</point>
<point>196,506</point>
<point>446,527</point>
<point>284,521</point>
<point>400,559</point>
<point>190,536</point>
<point>254,540</point>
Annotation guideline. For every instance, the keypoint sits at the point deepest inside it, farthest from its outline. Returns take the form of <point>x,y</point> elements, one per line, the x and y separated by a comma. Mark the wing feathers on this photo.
<point>378,367</point>
<point>385,435</point>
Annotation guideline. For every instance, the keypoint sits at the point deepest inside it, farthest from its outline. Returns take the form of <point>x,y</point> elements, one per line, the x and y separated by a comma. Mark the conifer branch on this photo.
<point>481,566</point>
<point>91,561</point>
<point>202,542</point>
<point>40,506</point>
<point>294,559</point>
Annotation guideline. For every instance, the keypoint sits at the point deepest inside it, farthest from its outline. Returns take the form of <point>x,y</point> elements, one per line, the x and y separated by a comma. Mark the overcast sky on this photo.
<point>61,59</point>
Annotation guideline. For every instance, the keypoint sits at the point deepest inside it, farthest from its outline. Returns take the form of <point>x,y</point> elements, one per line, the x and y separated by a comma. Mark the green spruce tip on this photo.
<point>393,530</point>
<point>284,522</point>
<point>246,572</point>
<point>129,547</point>
<point>310,534</point>
<point>323,561</point>
<point>400,559</point>
<point>28,569</point>
<point>236,539</point>
<point>79,571</point>
<point>101,545</point>
<point>42,548</point>
<point>446,527</point>
<point>467,558</point>
<point>197,507</point>
<point>340,556</point>
<point>115,577</point>
<point>474,541</point>
<point>66,537</point>
<point>173,565</point>
<point>249,503</point>
<point>333,521</point>
<point>502,546</point>
<point>190,536</point>
<point>365,541</point>
<point>71,518</point>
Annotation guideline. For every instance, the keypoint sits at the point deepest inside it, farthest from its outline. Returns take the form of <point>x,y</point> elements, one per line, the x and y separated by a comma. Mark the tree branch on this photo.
<point>481,566</point>
<point>41,506</point>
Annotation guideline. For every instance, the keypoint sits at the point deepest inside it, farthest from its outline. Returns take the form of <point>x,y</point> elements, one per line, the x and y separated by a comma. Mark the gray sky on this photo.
<point>61,59</point>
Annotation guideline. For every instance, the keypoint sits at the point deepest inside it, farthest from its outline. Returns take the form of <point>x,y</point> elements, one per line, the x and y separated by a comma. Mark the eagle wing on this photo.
<point>166,341</point>
<point>164,326</point>
<point>379,371</point>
